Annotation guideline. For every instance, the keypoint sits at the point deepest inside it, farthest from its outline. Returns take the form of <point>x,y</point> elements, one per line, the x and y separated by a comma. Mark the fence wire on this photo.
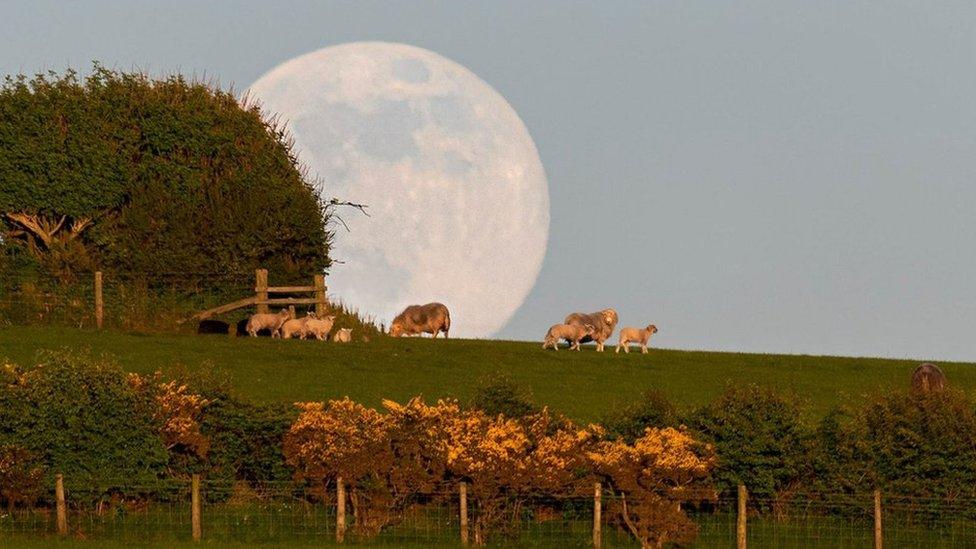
<point>292,514</point>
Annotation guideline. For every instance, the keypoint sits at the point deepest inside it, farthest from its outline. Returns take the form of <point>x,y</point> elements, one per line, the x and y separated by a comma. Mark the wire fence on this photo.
<point>294,514</point>
<point>151,302</point>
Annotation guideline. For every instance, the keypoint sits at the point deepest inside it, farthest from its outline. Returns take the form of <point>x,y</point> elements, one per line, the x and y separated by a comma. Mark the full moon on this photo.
<point>458,198</point>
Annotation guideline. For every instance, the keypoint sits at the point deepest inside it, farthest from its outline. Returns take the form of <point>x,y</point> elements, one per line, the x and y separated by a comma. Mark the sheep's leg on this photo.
<point>627,347</point>
<point>644,349</point>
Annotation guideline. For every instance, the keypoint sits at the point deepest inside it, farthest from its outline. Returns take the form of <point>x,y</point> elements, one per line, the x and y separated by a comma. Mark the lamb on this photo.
<point>343,335</point>
<point>319,327</point>
<point>266,321</point>
<point>296,327</point>
<point>431,318</point>
<point>630,335</point>
<point>603,323</point>
<point>570,332</point>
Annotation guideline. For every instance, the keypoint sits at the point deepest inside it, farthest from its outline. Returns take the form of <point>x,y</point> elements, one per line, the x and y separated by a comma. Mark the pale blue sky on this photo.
<point>762,176</point>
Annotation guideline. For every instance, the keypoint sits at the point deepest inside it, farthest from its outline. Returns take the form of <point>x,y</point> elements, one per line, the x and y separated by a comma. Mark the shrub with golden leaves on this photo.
<point>652,478</point>
<point>178,412</point>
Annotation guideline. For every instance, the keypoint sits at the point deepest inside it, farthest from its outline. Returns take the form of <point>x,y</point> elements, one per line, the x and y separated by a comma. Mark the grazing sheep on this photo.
<point>572,333</point>
<point>603,323</point>
<point>319,327</point>
<point>630,335</point>
<point>296,327</point>
<point>928,377</point>
<point>343,335</point>
<point>431,318</point>
<point>265,321</point>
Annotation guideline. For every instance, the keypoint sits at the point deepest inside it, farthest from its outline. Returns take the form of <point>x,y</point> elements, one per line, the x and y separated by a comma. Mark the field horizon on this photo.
<point>586,386</point>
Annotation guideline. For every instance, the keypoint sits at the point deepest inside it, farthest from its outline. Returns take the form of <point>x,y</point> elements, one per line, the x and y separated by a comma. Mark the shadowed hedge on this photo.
<point>125,173</point>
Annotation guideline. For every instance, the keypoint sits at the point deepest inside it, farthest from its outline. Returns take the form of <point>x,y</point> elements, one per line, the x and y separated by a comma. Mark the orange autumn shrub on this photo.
<point>652,478</point>
<point>178,413</point>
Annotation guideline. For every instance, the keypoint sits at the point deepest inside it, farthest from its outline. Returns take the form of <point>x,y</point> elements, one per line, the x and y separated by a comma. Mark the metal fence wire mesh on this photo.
<point>288,514</point>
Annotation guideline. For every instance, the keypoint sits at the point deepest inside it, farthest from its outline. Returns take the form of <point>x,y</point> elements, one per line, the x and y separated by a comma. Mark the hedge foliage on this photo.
<point>82,416</point>
<point>128,173</point>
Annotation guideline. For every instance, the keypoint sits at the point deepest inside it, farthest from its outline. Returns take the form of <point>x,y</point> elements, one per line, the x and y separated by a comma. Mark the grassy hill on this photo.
<point>583,385</point>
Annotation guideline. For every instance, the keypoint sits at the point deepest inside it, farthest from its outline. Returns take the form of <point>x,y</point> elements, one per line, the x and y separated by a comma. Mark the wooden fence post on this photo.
<point>99,302</point>
<point>195,508</point>
<point>463,490</point>
<point>878,538</point>
<point>340,510</point>
<point>740,523</point>
<point>62,508</point>
<point>321,306</point>
<point>597,515</point>
<point>261,289</point>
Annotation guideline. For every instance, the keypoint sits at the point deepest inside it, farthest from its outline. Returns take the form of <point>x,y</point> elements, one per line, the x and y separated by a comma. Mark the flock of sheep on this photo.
<point>598,327</point>
<point>434,318</point>
<point>283,325</point>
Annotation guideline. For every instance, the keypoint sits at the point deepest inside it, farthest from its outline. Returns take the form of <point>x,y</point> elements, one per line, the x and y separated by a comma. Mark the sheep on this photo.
<point>319,327</point>
<point>603,323</point>
<point>343,335</point>
<point>570,332</point>
<point>266,321</point>
<point>630,335</point>
<point>431,318</point>
<point>296,327</point>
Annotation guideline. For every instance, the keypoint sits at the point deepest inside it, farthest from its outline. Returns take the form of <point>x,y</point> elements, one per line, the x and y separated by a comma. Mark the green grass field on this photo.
<point>584,385</point>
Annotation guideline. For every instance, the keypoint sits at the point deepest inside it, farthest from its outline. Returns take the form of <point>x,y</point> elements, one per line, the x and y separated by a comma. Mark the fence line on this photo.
<point>155,301</point>
<point>198,509</point>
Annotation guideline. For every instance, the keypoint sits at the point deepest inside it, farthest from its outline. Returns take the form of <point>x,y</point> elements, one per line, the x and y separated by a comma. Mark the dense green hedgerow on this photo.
<point>128,173</point>
<point>759,439</point>
<point>77,415</point>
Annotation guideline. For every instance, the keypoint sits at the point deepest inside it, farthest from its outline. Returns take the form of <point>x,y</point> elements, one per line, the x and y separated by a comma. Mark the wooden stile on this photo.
<point>261,289</point>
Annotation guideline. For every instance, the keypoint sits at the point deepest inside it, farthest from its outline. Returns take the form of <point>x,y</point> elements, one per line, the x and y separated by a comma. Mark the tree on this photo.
<point>129,173</point>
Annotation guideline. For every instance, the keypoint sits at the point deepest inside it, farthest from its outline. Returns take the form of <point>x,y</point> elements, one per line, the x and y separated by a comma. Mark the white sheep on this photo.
<point>296,327</point>
<point>266,321</point>
<point>343,335</point>
<point>630,335</point>
<point>319,327</point>
<point>572,333</point>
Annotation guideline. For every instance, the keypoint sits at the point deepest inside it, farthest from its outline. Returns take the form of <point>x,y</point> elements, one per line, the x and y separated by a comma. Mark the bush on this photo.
<point>759,440</point>
<point>914,444</point>
<point>77,415</point>
<point>499,394</point>
<point>629,423</point>
<point>131,174</point>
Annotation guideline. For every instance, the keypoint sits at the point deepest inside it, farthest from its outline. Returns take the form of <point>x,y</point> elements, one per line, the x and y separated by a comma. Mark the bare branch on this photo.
<point>360,207</point>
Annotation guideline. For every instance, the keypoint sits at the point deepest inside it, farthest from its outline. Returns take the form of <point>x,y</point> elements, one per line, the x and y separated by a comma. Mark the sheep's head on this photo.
<point>609,316</point>
<point>396,328</point>
<point>284,313</point>
<point>651,328</point>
